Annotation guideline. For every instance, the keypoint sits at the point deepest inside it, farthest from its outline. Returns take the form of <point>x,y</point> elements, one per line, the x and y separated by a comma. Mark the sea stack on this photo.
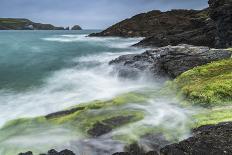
<point>76,27</point>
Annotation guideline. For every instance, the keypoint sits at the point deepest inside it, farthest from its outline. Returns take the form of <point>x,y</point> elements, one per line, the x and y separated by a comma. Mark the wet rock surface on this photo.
<point>221,13</point>
<point>63,113</point>
<point>169,61</point>
<point>101,128</point>
<point>207,140</point>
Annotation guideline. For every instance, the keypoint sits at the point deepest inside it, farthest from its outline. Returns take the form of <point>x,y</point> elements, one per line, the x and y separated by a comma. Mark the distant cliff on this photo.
<point>24,24</point>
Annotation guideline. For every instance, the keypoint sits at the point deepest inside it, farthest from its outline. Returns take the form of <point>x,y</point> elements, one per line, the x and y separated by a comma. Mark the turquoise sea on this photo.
<point>42,72</point>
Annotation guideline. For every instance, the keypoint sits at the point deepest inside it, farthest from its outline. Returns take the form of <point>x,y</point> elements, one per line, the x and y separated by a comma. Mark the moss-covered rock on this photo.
<point>213,116</point>
<point>208,85</point>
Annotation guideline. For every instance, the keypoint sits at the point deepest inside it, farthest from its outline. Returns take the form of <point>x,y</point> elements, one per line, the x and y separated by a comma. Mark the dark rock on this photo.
<point>207,140</point>
<point>122,153</point>
<point>167,28</point>
<point>221,13</point>
<point>106,126</point>
<point>26,153</point>
<point>67,28</point>
<point>63,113</point>
<point>169,61</point>
<point>76,27</point>
<point>99,129</point>
<point>54,152</point>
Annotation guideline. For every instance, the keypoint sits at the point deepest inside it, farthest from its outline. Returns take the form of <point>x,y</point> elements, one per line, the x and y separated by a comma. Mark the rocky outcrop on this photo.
<point>208,27</point>
<point>169,61</point>
<point>51,152</point>
<point>24,24</point>
<point>76,27</point>
<point>167,28</point>
<point>221,13</point>
<point>207,140</point>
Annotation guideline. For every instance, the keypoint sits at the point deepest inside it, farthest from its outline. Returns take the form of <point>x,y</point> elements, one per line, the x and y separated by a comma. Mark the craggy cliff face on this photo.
<point>221,13</point>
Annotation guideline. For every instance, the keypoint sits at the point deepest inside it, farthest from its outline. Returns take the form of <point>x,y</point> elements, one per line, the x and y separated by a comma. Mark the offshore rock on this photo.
<point>76,27</point>
<point>169,61</point>
<point>221,13</point>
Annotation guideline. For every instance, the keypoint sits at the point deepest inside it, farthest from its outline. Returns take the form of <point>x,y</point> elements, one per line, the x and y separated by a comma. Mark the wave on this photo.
<point>115,42</point>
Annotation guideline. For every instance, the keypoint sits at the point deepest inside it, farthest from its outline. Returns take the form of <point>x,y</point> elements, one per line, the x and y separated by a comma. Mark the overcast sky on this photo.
<point>96,14</point>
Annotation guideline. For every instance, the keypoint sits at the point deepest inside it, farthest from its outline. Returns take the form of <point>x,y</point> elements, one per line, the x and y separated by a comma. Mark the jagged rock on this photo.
<point>26,153</point>
<point>168,61</point>
<point>221,13</point>
<point>76,27</point>
<point>207,140</point>
<point>167,28</point>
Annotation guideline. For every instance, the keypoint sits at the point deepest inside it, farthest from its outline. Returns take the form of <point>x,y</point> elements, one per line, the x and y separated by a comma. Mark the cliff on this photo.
<point>24,24</point>
<point>167,28</point>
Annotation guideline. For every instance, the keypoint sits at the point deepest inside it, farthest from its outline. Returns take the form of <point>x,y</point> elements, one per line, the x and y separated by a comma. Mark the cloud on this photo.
<point>88,13</point>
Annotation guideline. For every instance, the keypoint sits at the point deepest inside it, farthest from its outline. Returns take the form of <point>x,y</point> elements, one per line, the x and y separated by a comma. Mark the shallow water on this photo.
<point>46,71</point>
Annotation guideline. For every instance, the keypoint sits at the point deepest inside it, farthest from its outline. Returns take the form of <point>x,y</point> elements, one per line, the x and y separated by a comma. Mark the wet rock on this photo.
<point>63,113</point>
<point>221,13</point>
<point>207,140</point>
<point>26,153</point>
<point>101,128</point>
<point>169,61</point>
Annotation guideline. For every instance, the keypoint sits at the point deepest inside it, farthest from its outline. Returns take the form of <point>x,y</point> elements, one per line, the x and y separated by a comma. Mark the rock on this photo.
<point>26,153</point>
<point>105,126</point>
<point>221,13</point>
<point>67,28</point>
<point>76,27</point>
<point>99,129</point>
<point>167,28</point>
<point>169,61</point>
<point>63,113</point>
<point>207,140</point>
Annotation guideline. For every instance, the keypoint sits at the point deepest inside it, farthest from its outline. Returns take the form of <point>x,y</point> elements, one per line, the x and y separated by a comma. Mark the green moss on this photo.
<point>208,85</point>
<point>213,116</point>
<point>230,49</point>
<point>81,120</point>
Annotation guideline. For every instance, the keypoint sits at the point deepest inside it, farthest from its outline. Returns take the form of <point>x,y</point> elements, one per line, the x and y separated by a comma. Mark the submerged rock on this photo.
<point>101,128</point>
<point>168,61</point>
<point>221,13</point>
<point>207,140</point>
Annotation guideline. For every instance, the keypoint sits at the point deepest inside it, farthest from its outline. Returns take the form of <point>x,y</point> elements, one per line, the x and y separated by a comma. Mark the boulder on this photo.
<point>221,13</point>
<point>169,61</point>
<point>207,140</point>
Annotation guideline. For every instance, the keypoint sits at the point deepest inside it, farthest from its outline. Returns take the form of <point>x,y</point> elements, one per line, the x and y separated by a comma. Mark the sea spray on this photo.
<point>77,75</point>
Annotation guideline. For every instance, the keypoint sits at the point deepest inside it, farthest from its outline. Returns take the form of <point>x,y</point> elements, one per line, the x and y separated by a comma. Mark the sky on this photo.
<point>90,14</point>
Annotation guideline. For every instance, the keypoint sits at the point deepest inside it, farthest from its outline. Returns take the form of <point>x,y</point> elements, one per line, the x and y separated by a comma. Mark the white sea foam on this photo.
<point>91,79</point>
<point>115,42</point>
